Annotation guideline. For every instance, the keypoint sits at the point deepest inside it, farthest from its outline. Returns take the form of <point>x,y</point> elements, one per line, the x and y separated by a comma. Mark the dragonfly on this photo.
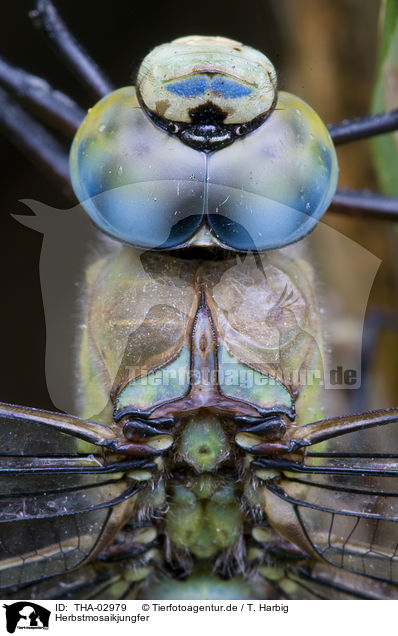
<point>201,464</point>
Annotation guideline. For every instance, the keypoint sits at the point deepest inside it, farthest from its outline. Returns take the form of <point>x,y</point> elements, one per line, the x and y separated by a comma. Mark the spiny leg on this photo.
<point>53,107</point>
<point>39,145</point>
<point>47,19</point>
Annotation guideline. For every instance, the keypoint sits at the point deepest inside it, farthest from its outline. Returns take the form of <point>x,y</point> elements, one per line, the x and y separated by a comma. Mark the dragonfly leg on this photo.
<point>55,108</point>
<point>36,142</point>
<point>362,127</point>
<point>365,203</point>
<point>362,202</point>
<point>47,19</point>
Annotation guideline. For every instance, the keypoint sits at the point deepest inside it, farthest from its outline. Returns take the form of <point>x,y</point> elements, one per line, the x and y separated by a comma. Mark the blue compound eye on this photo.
<point>271,187</point>
<point>137,183</point>
<point>146,188</point>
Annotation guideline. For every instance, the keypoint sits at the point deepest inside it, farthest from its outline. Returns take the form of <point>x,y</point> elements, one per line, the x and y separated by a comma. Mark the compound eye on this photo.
<point>270,188</point>
<point>138,184</point>
<point>142,186</point>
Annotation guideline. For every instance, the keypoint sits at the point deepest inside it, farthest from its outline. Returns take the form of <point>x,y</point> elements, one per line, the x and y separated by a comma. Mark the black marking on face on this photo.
<point>207,131</point>
<point>207,113</point>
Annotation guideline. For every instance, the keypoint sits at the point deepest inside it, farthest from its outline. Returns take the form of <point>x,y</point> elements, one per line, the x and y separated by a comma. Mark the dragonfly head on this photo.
<point>203,153</point>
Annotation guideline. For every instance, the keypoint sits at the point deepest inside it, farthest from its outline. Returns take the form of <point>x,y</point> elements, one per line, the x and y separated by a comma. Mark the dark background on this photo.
<point>324,50</point>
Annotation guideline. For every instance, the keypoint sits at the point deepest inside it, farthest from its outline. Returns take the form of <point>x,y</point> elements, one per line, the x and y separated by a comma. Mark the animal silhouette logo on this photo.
<point>26,615</point>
